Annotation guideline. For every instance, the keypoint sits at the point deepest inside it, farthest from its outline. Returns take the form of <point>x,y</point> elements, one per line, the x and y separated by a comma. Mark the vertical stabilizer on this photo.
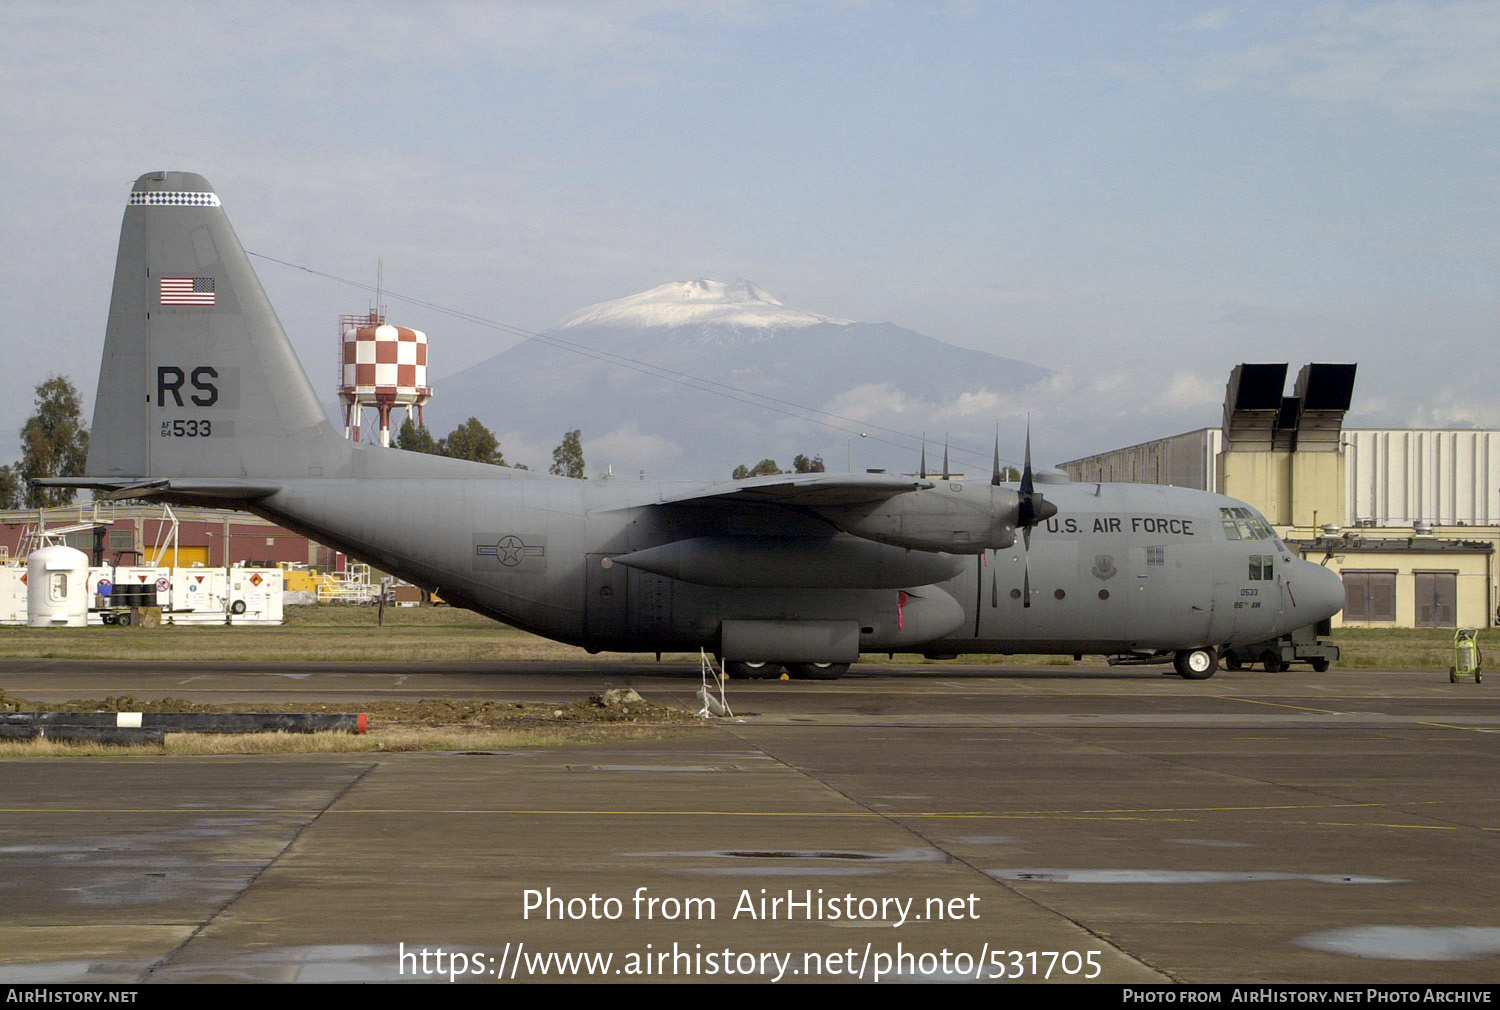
<point>198,378</point>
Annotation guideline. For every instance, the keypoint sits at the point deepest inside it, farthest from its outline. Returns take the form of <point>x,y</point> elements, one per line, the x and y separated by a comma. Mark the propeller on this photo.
<point>1031,509</point>
<point>1026,517</point>
<point>995,482</point>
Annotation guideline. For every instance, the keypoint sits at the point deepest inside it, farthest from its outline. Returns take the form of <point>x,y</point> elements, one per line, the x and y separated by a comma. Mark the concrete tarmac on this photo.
<point>906,823</point>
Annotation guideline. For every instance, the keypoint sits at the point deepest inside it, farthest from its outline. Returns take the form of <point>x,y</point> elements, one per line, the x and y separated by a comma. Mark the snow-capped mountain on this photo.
<point>739,305</point>
<point>690,379</point>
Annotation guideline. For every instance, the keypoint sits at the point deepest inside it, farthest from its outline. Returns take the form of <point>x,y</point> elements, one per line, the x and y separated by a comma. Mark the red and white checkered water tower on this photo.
<point>383,367</point>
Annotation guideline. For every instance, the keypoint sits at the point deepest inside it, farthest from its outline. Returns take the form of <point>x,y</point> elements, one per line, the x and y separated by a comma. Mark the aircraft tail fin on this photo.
<point>198,377</point>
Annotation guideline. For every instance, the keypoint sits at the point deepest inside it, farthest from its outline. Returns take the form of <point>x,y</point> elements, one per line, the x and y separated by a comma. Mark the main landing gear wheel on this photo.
<point>1273,663</point>
<point>739,669</point>
<point>817,671</point>
<point>1196,664</point>
<point>1232,660</point>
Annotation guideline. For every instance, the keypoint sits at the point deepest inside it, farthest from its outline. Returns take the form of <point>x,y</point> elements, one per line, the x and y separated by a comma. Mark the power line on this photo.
<point>839,422</point>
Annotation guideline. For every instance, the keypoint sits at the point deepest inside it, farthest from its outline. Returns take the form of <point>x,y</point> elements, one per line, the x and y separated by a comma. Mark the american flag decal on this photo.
<point>187,290</point>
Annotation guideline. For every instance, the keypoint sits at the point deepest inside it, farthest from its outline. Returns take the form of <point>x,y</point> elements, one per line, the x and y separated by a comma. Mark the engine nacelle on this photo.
<point>953,517</point>
<point>792,562</point>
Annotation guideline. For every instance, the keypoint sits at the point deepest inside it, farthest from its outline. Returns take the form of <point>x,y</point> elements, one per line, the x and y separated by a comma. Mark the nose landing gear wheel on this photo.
<point>1196,664</point>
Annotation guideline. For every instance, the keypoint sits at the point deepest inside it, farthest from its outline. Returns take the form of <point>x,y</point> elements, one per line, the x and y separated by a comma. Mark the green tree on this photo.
<point>804,465</point>
<point>567,458</point>
<point>416,438</point>
<point>54,443</point>
<point>10,488</point>
<point>472,440</point>
<point>765,468</point>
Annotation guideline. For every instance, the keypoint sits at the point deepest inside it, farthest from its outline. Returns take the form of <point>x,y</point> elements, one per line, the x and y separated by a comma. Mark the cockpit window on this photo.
<point>1244,524</point>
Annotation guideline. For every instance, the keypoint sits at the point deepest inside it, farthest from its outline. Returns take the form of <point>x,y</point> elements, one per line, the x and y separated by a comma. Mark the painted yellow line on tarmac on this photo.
<point>1282,704</point>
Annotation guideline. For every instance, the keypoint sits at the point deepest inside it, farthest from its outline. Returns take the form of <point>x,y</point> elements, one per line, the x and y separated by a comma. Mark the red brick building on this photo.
<point>122,533</point>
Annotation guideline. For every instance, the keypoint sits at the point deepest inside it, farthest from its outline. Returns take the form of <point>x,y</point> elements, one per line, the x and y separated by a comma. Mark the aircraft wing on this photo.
<point>812,489</point>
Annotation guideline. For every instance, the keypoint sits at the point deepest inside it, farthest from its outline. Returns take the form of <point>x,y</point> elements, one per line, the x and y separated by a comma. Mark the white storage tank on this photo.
<point>56,588</point>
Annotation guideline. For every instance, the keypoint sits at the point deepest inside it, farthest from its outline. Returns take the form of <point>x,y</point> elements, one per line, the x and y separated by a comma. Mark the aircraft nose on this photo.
<point>1319,591</point>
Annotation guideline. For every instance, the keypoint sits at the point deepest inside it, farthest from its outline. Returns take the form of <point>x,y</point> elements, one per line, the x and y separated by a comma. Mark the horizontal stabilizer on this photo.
<point>227,489</point>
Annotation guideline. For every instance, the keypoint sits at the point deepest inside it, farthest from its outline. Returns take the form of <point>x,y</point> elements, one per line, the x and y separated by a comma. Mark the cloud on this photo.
<point>1450,408</point>
<point>1413,60</point>
<point>628,445</point>
<point>1211,20</point>
<point>1070,413</point>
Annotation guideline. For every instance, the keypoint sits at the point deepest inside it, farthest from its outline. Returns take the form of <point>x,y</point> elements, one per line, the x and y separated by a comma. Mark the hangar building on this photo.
<point>1410,518</point>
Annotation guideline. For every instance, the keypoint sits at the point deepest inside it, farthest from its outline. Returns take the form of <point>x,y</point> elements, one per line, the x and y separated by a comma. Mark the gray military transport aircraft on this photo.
<point>202,401</point>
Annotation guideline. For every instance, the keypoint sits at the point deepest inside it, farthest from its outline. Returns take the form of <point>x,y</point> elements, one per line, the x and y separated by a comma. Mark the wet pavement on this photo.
<point>949,823</point>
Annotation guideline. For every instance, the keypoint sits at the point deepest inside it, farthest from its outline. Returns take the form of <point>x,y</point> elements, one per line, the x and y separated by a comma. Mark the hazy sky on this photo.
<point>1137,196</point>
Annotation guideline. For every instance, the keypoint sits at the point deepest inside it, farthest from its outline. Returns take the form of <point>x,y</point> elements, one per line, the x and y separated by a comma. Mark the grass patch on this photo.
<point>440,724</point>
<point>1398,648</point>
<point>335,633</point>
<point>389,740</point>
<point>310,634</point>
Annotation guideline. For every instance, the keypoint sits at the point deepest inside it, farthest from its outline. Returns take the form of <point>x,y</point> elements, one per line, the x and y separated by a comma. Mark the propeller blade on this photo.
<point>1026,475</point>
<point>1030,510</point>
<point>1026,569</point>
<point>923,468</point>
<point>1026,512</point>
<point>995,473</point>
<point>945,457</point>
<point>1033,507</point>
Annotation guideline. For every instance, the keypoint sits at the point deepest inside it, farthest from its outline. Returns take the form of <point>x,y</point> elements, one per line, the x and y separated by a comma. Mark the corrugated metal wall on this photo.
<point>1443,476</point>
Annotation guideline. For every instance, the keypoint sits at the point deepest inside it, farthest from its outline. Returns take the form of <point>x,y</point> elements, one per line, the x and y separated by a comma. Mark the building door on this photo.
<point>1369,596</point>
<point>1437,599</point>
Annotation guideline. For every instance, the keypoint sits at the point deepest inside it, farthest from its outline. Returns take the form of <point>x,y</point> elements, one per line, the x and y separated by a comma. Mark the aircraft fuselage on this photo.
<point>1119,568</point>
